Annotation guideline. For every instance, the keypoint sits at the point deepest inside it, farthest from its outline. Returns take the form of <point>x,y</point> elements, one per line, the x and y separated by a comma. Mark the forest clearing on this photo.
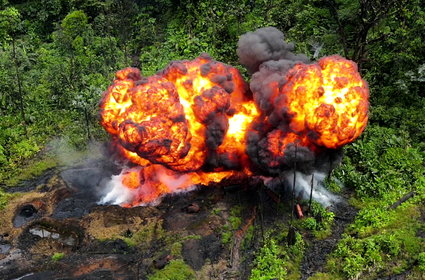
<point>212,139</point>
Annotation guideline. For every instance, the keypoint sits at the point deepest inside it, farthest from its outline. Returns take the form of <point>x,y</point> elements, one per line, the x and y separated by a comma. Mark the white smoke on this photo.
<point>303,187</point>
<point>115,192</point>
<point>68,154</point>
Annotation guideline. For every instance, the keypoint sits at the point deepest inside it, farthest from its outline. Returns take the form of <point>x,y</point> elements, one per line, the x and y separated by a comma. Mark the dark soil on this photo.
<point>58,213</point>
<point>318,250</point>
<point>62,216</point>
<point>30,185</point>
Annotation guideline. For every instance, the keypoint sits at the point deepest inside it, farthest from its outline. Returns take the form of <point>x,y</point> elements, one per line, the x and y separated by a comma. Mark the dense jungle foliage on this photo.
<point>57,57</point>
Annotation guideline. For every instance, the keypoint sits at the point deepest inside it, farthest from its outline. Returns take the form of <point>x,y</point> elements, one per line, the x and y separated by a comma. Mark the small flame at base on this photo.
<point>116,192</point>
<point>128,189</point>
<point>141,186</point>
<point>162,181</point>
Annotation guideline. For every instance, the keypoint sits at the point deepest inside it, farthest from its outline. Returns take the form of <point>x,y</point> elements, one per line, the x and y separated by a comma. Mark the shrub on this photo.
<point>382,162</point>
<point>57,256</point>
<point>269,263</point>
<point>175,270</point>
<point>421,261</point>
<point>4,199</point>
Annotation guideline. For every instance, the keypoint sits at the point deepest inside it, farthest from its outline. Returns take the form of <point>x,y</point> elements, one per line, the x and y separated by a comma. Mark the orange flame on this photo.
<point>328,99</point>
<point>155,181</point>
<point>195,115</point>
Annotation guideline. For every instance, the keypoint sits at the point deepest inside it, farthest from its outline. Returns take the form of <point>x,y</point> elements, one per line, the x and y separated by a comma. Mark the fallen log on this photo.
<point>401,200</point>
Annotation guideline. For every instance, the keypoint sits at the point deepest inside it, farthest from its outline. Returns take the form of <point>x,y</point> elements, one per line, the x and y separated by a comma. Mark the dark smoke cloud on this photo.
<point>328,159</point>
<point>268,58</point>
<point>272,71</point>
<point>265,44</point>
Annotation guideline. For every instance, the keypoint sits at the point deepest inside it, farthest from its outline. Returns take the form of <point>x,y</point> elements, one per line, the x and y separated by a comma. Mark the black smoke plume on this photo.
<point>268,58</point>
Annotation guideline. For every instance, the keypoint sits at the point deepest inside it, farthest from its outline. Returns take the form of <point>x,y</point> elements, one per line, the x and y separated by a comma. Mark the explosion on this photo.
<point>328,99</point>
<point>197,122</point>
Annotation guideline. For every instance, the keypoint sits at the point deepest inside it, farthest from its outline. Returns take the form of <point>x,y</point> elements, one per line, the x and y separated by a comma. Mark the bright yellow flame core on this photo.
<point>329,99</point>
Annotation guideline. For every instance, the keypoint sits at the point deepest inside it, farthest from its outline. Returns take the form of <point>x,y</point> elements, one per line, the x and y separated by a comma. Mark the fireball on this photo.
<point>196,122</point>
<point>327,101</point>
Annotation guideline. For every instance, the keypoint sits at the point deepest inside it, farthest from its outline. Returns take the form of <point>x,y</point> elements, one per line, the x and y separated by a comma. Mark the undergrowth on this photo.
<point>175,270</point>
<point>320,223</point>
<point>233,224</point>
<point>31,170</point>
<point>4,198</point>
<point>381,167</point>
<point>58,256</point>
<point>25,154</point>
<point>276,259</point>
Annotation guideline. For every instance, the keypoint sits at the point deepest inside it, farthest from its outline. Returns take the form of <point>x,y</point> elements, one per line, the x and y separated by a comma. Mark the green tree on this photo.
<point>87,61</point>
<point>10,26</point>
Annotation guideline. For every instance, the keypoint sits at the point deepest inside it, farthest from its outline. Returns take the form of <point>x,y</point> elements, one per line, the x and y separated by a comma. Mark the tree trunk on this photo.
<point>20,89</point>
<point>126,55</point>
<point>401,200</point>
<point>332,6</point>
<point>360,45</point>
<point>86,117</point>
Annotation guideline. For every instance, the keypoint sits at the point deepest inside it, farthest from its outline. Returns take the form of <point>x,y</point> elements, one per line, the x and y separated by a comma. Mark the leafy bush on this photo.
<point>234,222</point>
<point>321,221</point>
<point>277,260</point>
<point>4,199</point>
<point>370,255</point>
<point>356,256</point>
<point>371,219</point>
<point>383,162</point>
<point>3,159</point>
<point>421,261</point>
<point>310,223</point>
<point>24,149</point>
<point>269,263</point>
<point>410,118</point>
<point>326,216</point>
<point>175,270</point>
<point>58,256</point>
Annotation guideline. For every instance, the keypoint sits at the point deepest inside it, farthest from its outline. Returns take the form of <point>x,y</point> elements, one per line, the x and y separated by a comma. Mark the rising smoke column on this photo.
<point>267,44</point>
<point>268,58</point>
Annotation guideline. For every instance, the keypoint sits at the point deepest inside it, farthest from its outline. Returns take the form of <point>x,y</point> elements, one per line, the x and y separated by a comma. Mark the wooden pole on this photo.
<point>311,192</point>
<point>261,216</point>
<point>294,182</point>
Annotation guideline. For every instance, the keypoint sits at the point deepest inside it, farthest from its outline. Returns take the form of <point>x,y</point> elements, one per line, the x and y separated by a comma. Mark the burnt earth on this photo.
<point>318,250</point>
<point>57,230</point>
<point>30,185</point>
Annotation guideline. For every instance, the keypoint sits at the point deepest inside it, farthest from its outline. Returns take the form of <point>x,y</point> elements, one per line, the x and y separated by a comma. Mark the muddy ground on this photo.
<point>315,257</point>
<point>56,230</point>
